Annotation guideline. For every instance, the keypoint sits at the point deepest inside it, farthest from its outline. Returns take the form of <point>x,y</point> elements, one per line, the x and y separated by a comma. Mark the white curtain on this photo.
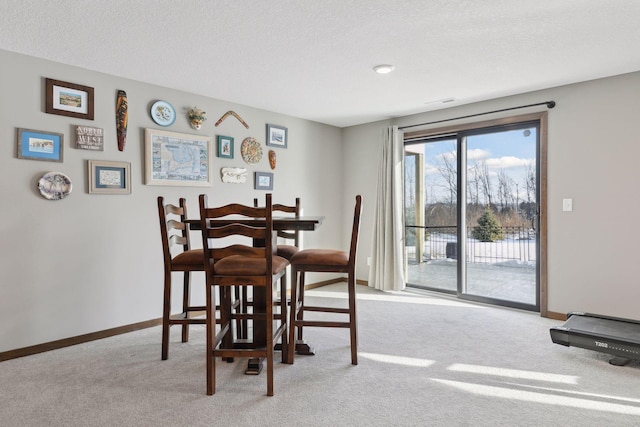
<point>387,270</point>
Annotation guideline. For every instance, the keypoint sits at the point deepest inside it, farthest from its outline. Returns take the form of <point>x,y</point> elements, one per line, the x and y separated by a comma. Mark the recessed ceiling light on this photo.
<point>383,68</point>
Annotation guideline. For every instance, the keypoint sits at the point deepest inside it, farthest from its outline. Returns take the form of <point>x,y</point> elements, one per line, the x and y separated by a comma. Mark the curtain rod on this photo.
<point>549,104</point>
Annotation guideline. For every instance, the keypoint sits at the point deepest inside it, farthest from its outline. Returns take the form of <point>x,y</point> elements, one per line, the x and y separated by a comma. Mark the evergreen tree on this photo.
<point>488,228</point>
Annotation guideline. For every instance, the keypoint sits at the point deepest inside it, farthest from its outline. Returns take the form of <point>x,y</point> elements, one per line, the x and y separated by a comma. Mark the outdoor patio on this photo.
<point>508,281</point>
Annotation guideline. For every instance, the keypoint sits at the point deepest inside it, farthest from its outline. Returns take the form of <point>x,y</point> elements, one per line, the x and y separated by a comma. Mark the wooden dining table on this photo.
<point>301,223</point>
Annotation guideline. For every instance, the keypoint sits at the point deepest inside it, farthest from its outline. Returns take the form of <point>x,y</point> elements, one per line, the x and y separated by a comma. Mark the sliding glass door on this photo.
<point>471,213</point>
<point>431,212</point>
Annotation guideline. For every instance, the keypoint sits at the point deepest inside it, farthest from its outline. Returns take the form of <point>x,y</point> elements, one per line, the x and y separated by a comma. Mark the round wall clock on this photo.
<point>163,113</point>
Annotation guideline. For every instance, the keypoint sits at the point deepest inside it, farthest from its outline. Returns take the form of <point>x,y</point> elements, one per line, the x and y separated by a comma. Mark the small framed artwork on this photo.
<point>263,181</point>
<point>40,145</point>
<point>225,147</point>
<point>177,159</point>
<point>109,177</point>
<point>277,136</point>
<point>68,99</point>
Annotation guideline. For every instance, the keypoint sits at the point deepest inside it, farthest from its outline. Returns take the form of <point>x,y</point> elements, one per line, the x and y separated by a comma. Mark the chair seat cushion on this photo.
<point>239,265</point>
<point>189,259</point>
<point>287,251</point>
<point>320,257</point>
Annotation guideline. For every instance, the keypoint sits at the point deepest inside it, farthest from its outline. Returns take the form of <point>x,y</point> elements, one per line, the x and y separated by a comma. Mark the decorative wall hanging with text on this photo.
<point>89,138</point>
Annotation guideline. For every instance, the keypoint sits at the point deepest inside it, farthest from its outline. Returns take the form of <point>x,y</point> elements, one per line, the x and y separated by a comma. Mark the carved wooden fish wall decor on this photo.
<point>122,118</point>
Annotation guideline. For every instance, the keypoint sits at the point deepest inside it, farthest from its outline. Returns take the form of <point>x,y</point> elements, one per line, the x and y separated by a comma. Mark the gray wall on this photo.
<point>593,154</point>
<point>92,262</point>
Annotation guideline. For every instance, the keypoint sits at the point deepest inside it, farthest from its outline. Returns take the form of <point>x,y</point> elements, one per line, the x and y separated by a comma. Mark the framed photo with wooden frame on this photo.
<point>277,136</point>
<point>177,159</point>
<point>225,147</point>
<point>40,145</point>
<point>68,99</point>
<point>107,177</point>
<point>263,181</point>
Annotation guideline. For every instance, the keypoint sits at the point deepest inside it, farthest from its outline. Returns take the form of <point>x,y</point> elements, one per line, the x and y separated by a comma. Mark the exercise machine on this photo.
<point>605,334</point>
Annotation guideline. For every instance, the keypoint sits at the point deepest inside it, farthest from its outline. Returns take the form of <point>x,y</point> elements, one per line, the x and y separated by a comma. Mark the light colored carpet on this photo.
<point>424,360</point>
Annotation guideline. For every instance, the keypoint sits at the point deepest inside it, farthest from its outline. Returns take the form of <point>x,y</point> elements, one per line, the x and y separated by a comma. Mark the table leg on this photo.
<point>254,366</point>
<point>304,348</point>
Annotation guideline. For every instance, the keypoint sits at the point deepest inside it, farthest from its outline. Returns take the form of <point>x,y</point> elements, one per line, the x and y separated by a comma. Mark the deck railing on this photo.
<point>518,245</point>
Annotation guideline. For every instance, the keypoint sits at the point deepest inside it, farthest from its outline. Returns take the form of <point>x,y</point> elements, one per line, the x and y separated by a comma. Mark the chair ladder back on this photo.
<point>235,209</point>
<point>295,209</point>
<point>236,229</point>
<point>353,247</point>
<point>173,227</point>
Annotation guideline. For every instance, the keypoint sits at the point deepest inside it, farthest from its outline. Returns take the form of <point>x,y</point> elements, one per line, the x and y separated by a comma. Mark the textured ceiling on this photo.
<point>313,58</point>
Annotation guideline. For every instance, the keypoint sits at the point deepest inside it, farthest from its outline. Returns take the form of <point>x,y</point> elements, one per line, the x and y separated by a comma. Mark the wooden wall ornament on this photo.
<point>272,159</point>
<point>234,114</point>
<point>122,119</point>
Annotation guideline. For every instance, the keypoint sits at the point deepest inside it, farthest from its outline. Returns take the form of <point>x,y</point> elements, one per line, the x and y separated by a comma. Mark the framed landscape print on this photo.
<point>40,145</point>
<point>109,177</point>
<point>277,136</point>
<point>263,181</point>
<point>177,159</point>
<point>68,99</point>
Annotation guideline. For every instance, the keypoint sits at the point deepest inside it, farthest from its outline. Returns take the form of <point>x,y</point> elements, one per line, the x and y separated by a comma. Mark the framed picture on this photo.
<point>277,136</point>
<point>109,177</point>
<point>225,147</point>
<point>263,181</point>
<point>40,145</point>
<point>177,159</point>
<point>68,99</point>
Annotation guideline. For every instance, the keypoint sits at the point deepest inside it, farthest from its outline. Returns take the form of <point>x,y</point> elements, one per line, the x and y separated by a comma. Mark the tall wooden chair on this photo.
<point>325,261</point>
<point>178,257</point>
<point>229,262</point>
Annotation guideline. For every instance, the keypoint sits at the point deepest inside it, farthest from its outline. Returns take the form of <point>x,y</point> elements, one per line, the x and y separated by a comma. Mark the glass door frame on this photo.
<point>540,120</point>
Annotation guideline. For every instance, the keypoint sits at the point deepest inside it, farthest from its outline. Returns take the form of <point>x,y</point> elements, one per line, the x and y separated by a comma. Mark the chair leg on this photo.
<point>166,312</point>
<point>238,299</point>
<point>301,311</point>
<point>293,314</point>
<point>353,324</point>
<point>269,344</point>
<point>226,318</point>
<point>284,314</point>
<point>211,332</point>
<point>186,298</point>
<point>245,308</point>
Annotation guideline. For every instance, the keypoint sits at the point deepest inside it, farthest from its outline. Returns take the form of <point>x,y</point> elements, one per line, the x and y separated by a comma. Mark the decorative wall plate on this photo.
<point>163,113</point>
<point>55,186</point>
<point>251,150</point>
